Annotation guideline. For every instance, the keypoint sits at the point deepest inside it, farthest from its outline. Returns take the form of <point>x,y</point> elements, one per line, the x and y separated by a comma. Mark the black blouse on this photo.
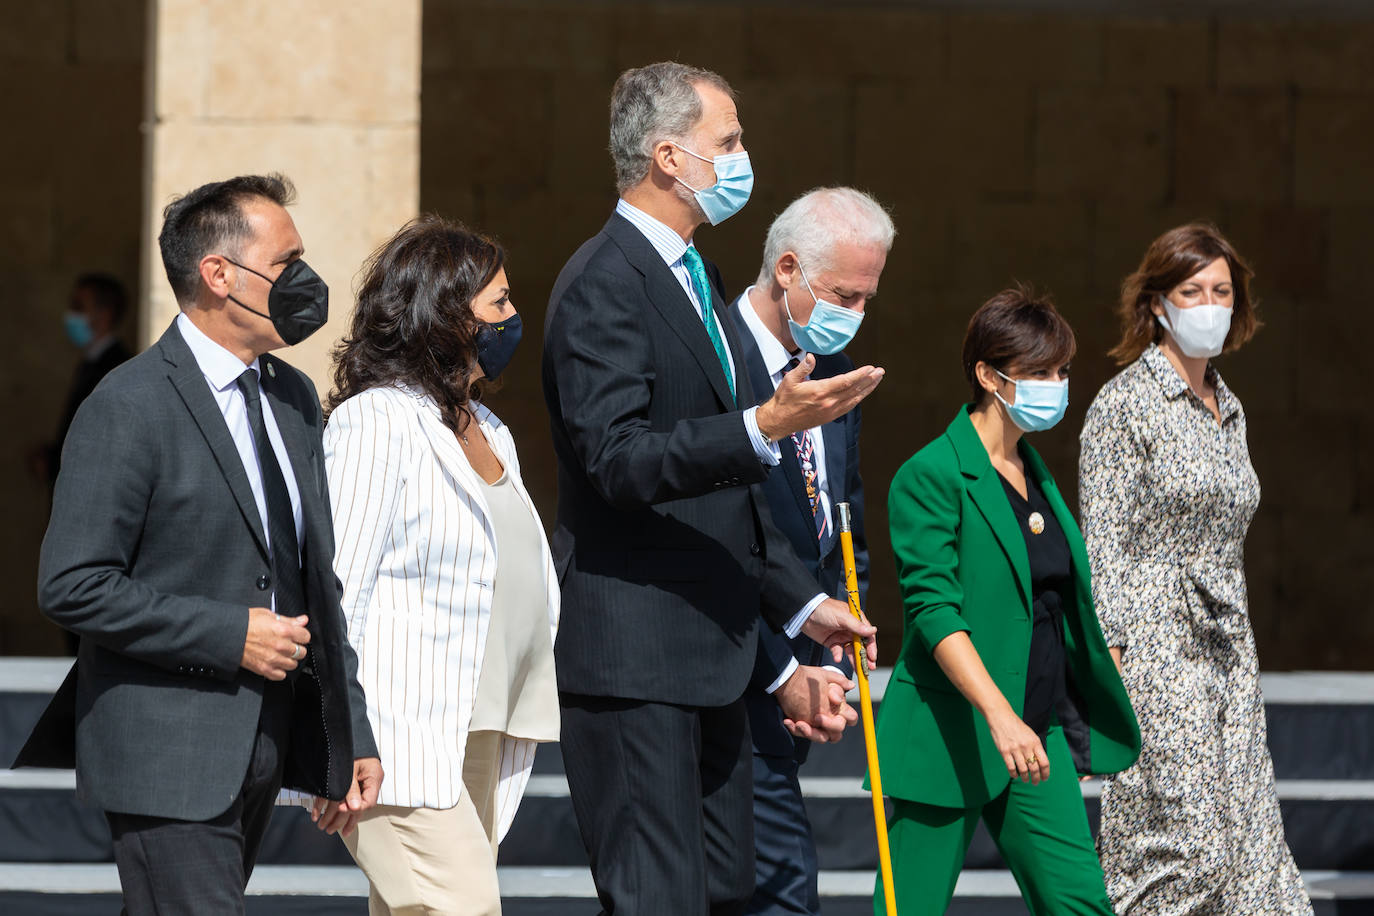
<point>1050,573</point>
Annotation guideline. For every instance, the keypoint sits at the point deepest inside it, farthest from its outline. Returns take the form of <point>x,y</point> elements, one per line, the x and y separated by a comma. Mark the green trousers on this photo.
<point>1042,832</point>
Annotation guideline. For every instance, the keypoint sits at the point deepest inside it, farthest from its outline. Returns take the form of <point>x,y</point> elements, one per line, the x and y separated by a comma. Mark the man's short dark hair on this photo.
<point>108,293</point>
<point>210,219</point>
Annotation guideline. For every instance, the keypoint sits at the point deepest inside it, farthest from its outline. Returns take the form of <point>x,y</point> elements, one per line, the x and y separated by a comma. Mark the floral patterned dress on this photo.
<point>1167,494</point>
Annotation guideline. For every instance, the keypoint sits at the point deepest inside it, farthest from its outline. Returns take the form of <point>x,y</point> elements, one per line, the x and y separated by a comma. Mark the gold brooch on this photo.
<point>1037,523</point>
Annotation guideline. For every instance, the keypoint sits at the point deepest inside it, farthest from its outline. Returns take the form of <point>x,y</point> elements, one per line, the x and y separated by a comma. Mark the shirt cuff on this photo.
<point>768,452</point>
<point>792,665</point>
<point>795,624</point>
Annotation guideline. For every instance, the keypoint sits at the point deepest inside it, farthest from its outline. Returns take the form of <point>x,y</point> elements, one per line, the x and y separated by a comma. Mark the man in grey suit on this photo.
<point>191,549</point>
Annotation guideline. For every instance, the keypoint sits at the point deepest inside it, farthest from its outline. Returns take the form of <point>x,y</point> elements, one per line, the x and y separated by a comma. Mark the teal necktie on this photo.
<point>697,271</point>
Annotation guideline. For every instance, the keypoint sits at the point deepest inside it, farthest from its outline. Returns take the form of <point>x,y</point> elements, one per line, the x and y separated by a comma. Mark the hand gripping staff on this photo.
<point>875,781</point>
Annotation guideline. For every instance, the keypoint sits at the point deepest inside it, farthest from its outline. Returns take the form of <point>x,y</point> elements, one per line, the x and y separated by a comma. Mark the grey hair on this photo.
<point>651,104</point>
<point>813,224</point>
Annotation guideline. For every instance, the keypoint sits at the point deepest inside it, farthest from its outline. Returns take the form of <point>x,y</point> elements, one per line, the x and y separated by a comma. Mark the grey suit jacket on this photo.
<point>154,554</point>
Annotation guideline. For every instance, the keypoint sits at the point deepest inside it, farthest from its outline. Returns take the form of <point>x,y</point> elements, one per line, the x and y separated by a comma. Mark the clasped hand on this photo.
<point>813,705</point>
<point>274,644</point>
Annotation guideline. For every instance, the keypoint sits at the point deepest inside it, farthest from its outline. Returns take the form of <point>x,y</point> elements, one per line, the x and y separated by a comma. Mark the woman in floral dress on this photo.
<point>1167,493</point>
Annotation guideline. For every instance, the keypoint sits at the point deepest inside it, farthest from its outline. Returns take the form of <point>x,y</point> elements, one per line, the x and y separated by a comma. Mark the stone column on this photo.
<point>327,93</point>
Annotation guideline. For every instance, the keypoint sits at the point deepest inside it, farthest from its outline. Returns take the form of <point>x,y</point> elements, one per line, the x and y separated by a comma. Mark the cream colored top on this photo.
<point>517,693</point>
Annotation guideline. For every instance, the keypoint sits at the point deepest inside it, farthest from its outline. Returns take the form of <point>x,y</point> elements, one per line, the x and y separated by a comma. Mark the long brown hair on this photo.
<point>414,324</point>
<point>1172,258</point>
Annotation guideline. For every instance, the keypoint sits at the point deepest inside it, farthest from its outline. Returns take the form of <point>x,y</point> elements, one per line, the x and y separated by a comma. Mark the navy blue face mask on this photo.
<point>496,343</point>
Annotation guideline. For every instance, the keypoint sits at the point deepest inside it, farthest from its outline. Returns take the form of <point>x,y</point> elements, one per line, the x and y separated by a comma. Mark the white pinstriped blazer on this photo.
<point>417,557</point>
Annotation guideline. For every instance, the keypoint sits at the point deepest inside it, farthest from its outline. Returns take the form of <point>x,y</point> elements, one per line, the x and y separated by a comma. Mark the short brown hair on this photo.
<point>209,218</point>
<point>1017,327</point>
<point>1172,258</point>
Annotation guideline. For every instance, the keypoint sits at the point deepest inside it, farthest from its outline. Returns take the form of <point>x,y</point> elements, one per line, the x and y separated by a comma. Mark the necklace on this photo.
<point>1036,522</point>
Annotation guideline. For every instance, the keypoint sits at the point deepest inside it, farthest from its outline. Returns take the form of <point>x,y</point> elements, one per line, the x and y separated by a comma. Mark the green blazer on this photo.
<point>962,565</point>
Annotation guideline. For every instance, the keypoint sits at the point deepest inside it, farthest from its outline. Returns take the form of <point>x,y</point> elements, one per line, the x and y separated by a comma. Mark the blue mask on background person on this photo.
<point>78,328</point>
<point>496,342</point>
<point>1040,403</point>
<point>734,182</point>
<point>829,329</point>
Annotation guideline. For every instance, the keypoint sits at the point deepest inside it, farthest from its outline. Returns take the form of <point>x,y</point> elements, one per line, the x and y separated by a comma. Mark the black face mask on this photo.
<point>496,343</point>
<point>298,303</point>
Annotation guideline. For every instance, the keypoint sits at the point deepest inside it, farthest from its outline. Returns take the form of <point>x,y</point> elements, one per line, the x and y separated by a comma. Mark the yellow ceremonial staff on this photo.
<point>875,781</point>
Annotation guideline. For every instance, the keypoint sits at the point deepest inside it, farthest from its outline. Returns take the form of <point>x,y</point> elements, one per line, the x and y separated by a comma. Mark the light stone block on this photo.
<point>353,190</point>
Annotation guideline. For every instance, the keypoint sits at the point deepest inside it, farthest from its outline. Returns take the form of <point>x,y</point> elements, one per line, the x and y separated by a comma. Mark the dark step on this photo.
<point>1321,725</point>
<point>1329,825</point>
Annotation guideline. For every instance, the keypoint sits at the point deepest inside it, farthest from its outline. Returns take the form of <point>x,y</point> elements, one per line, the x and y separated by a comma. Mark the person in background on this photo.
<point>97,306</point>
<point>822,260</point>
<point>1002,661</point>
<point>449,588</point>
<point>191,549</point>
<point>667,553</point>
<point>1167,493</point>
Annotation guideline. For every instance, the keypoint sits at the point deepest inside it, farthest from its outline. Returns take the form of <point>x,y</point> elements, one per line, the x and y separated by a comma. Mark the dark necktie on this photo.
<point>281,522</point>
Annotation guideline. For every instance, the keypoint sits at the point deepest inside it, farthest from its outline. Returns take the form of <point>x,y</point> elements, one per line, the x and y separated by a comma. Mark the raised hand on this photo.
<point>803,403</point>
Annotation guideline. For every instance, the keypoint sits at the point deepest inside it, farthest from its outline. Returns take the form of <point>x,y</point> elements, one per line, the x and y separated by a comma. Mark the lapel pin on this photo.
<point>271,370</point>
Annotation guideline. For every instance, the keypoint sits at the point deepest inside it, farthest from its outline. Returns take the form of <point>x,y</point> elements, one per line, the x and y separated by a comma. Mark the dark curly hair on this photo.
<point>414,324</point>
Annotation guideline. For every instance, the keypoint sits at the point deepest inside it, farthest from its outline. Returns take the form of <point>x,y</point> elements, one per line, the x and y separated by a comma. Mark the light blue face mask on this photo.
<point>1040,403</point>
<point>734,182</point>
<point>78,329</point>
<point>829,329</point>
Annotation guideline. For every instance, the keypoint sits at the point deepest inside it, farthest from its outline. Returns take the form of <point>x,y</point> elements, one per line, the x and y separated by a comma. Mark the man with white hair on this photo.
<point>822,260</point>
<point>666,553</point>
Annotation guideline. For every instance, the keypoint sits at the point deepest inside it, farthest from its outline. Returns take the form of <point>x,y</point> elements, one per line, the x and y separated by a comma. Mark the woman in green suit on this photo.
<point>1002,663</point>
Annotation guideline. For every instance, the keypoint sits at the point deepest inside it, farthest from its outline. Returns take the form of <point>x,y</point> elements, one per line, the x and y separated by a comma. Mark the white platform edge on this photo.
<point>556,786</point>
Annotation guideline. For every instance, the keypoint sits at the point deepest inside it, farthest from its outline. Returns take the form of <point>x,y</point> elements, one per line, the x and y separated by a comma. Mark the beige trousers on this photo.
<point>428,862</point>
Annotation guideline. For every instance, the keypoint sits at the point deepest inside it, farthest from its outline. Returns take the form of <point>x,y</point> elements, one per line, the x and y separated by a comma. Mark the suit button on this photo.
<point>264,583</point>
<point>755,549</point>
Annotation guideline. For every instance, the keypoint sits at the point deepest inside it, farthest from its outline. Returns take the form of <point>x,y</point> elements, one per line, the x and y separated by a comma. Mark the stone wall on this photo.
<point>1049,148</point>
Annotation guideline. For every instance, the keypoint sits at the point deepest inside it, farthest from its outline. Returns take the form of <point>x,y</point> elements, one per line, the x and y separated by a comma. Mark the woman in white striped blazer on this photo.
<point>449,589</point>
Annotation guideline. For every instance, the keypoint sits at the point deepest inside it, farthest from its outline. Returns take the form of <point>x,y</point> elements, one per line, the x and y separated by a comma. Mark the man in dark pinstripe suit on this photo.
<point>664,545</point>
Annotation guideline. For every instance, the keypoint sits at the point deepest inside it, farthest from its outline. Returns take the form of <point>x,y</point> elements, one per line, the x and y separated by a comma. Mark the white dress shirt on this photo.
<point>222,370</point>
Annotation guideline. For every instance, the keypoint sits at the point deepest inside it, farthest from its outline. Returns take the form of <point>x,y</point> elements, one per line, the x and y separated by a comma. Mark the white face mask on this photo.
<point>1200,331</point>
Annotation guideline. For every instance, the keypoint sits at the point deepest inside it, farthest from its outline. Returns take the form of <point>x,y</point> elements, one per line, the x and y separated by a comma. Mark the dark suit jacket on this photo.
<point>663,543</point>
<point>88,374</point>
<point>153,556</point>
<point>786,494</point>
